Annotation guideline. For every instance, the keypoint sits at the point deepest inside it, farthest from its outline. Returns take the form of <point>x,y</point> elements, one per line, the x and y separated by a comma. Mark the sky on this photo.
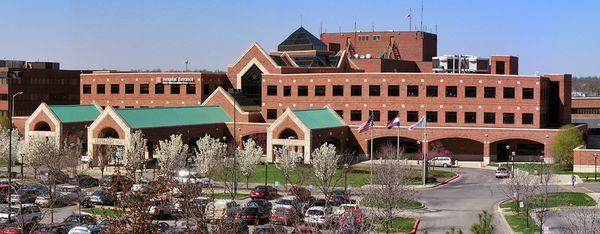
<point>548,36</point>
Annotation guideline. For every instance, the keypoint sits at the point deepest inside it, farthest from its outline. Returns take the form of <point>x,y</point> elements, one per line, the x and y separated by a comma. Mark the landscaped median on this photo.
<point>518,220</point>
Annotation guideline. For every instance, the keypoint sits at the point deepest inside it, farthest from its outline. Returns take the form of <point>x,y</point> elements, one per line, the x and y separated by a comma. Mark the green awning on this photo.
<point>173,116</point>
<point>75,113</point>
<point>319,118</point>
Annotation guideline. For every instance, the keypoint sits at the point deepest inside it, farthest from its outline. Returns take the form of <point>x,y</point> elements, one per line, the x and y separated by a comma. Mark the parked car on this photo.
<point>5,187</point>
<point>344,207</point>
<point>21,213</point>
<point>163,210</point>
<point>85,230</point>
<point>71,192</point>
<point>260,203</point>
<point>442,162</point>
<point>28,193</point>
<point>57,200</point>
<point>101,197</point>
<point>185,177</point>
<point>84,181</point>
<point>502,172</point>
<point>352,219</point>
<point>76,219</point>
<point>117,182</point>
<point>318,215</point>
<point>140,186</point>
<point>52,228</point>
<point>17,228</point>
<point>253,215</point>
<point>220,209</point>
<point>290,202</point>
<point>124,224</point>
<point>263,192</point>
<point>269,229</point>
<point>339,197</point>
<point>284,216</point>
<point>303,194</point>
<point>53,176</point>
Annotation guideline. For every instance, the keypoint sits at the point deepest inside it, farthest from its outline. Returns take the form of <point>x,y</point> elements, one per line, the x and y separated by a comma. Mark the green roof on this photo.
<point>75,113</point>
<point>319,118</point>
<point>173,116</point>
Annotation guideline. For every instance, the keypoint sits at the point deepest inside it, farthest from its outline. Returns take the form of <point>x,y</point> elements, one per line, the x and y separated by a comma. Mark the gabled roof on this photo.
<point>75,113</point>
<point>319,118</point>
<point>301,39</point>
<point>173,116</point>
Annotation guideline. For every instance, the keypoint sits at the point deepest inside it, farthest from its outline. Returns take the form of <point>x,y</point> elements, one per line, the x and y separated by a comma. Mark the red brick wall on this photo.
<point>39,118</point>
<point>511,64</point>
<point>106,122</point>
<point>254,52</point>
<point>585,103</point>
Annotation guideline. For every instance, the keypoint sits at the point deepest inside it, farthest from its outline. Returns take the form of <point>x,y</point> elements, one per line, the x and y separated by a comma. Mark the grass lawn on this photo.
<point>407,204</point>
<point>560,199</point>
<point>399,224</point>
<point>102,212</point>
<point>517,223</point>
<point>238,196</point>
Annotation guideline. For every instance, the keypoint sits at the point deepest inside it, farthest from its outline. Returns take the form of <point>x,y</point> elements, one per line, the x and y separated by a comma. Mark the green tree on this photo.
<point>4,122</point>
<point>484,226</point>
<point>565,141</point>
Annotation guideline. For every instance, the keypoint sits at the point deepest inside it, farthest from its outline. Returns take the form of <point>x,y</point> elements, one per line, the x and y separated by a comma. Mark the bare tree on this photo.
<point>105,155</point>
<point>522,188</point>
<point>248,158</point>
<point>134,154</point>
<point>582,220</point>
<point>286,162</point>
<point>325,163</point>
<point>172,154</point>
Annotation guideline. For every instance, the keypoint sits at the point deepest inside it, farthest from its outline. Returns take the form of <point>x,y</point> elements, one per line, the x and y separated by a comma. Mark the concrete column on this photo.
<point>486,153</point>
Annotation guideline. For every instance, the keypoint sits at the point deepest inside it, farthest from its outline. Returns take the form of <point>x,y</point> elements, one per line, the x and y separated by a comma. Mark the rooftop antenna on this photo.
<point>421,15</point>
<point>372,27</point>
<point>186,65</point>
<point>340,27</point>
<point>321,27</point>
<point>435,28</point>
<point>409,16</point>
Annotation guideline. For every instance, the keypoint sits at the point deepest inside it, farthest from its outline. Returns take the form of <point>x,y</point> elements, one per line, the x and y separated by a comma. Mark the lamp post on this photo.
<point>595,171</point>
<point>345,178</point>
<point>10,115</point>
<point>235,184</point>
<point>541,168</point>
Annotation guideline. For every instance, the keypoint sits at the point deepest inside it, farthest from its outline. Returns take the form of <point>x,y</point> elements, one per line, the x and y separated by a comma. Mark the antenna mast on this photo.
<point>421,15</point>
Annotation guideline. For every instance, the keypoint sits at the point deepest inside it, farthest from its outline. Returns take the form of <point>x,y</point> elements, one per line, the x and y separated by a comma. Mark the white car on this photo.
<point>140,186</point>
<point>288,202</point>
<point>442,162</point>
<point>184,177</point>
<point>318,215</point>
<point>24,212</point>
<point>343,207</point>
<point>84,230</point>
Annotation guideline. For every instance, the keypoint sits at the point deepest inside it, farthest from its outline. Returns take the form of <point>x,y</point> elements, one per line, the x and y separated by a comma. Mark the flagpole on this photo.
<point>424,176</point>
<point>371,153</point>
<point>398,143</point>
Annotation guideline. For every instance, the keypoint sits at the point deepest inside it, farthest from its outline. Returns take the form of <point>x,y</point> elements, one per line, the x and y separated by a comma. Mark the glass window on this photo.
<point>392,114</point>
<point>376,37</point>
<point>338,90</point>
<point>100,89</point>
<point>412,116</point>
<point>340,113</point>
<point>271,113</point>
<point>87,89</point>
<point>363,38</point>
<point>272,90</point>
<point>470,117</point>
<point>508,118</point>
<point>114,88</point>
<point>451,91</point>
<point>374,90</point>
<point>355,90</point>
<point>159,88</point>
<point>527,118</point>
<point>302,90</point>
<point>175,89</point>
<point>320,90</point>
<point>376,115</point>
<point>509,92</point>
<point>355,115</point>
<point>489,92</point>
<point>451,117</point>
<point>471,91</point>
<point>432,91</point>
<point>393,90</point>
<point>412,90</point>
<point>431,116</point>
<point>128,107</point>
<point>129,89</point>
<point>190,89</point>
<point>144,88</point>
<point>287,91</point>
<point>206,88</point>
<point>527,93</point>
<point>489,118</point>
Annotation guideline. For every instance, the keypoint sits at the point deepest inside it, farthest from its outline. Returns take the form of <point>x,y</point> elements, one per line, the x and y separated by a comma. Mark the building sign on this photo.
<point>108,141</point>
<point>176,80</point>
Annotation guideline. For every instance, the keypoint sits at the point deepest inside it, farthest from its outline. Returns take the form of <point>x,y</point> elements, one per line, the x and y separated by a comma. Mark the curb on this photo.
<point>457,176</point>
<point>415,226</point>
<point>501,212</point>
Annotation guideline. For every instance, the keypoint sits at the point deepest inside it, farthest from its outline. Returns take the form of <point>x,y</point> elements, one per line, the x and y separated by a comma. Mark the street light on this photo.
<point>234,91</point>
<point>541,168</point>
<point>595,172</point>
<point>345,177</point>
<point>10,115</point>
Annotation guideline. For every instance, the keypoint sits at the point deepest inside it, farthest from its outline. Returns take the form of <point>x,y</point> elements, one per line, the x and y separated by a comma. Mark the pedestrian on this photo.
<point>573,180</point>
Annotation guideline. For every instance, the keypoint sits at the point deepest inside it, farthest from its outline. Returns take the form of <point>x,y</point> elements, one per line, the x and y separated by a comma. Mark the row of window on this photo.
<point>431,116</point>
<point>42,81</point>
<point>585,111</point>
<point>144,88</point>
<point>366,37</point>
<point>394,91</point>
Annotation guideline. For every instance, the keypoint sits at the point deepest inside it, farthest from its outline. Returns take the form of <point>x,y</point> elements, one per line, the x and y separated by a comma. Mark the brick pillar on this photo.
<point>548,153</point>
<point>486,153</point>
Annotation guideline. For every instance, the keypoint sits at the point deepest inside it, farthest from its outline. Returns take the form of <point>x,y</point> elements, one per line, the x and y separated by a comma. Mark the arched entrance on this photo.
<point>42,126</point>
<point>288,133</point>
<point>462,149</point>
<point>252,85</point>
<point>109,133</point>
<point>524,150</point>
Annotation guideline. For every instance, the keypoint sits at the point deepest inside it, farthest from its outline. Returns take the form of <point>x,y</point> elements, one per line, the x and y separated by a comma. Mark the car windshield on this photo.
<point>260,188</point>
<point>315,212</point>
<point>69,189</point>
<point>284,202</point>
<point>254,203</point>
<point>502,169</point>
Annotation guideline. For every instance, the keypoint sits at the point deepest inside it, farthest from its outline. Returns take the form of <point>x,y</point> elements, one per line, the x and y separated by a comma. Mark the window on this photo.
<point>585,111</point>
<point>470,117</point>
<point>431,116</point>
<point>527,118</point>
<point>159,88</point>
<point>114,88</point>
<point>175,89</point>
<point>287,91</point>
<point>412,90</point>
<point>451,117</point>
<point>500,67</point>
<point>392,114</point>
<point>374,90</point>
<point>489,92</point>
<point>355,90</point>
<point>144,88</point>
<point>129,89</point>
<point>302,90</point>
<point>206,88</point>
<point>363,38</point>
<point>340,113</point>
<point>451,91</point>
<point>432,91</point>
<point>509,92</point>
<point>471,91</point>
<point>393,90</point>
<point>338,90</point>
<point>412,116</point>
<point>320,90</point>
<point>489,118</point>
<point>272,90</point>
<point>128,107</point>
<point>376,115</point>
<point>271,113</point>
<point>508,118</point>
<point>355,115</point>
<point>527,93</point>
<point>376,37</point>
<point>87,89</point>
<point>190,89</point>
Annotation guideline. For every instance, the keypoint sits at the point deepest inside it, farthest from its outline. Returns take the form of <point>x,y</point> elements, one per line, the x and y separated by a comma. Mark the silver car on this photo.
<point>22,213</point>
<point>442,162</point>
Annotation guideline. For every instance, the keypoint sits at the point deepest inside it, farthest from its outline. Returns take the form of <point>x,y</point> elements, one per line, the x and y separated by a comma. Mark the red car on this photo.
<point>52,228</point>
<point>263,192</point>
<point>352,219</point>
<point>17,228</point>
<point>284,216</point>
<point>303,194</point>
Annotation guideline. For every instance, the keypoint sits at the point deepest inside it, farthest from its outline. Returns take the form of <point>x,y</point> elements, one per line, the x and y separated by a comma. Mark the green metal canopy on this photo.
<point>173,116</point>
<point>319,118</point>
<point>75,113</point>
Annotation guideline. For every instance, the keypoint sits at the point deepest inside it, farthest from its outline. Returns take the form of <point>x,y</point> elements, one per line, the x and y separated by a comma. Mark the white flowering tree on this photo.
<point>172,154</point>
<point>38,151</point>
<point>286,162</point>
<point>134,154</point>
<point>16,144</point>
<point>248,158</point>
<point>324,161</point>
<point>209,155</point>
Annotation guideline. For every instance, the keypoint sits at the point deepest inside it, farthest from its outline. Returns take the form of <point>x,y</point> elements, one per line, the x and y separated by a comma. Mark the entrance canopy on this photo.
<point>61,121</point>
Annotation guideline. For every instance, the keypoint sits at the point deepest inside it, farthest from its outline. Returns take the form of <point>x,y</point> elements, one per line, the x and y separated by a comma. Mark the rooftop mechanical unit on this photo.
<point>460,64</point>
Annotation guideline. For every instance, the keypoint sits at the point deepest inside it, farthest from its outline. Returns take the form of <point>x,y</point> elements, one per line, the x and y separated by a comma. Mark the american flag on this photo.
<point>366,126</point>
